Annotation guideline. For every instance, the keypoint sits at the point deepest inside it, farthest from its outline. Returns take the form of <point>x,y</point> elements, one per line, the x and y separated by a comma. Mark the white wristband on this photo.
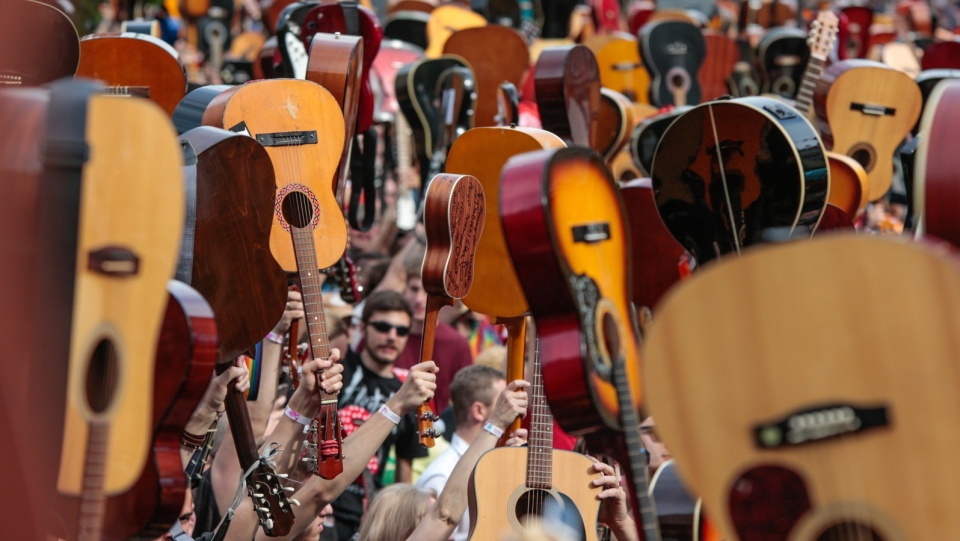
<point>275,338</point>
<point>493,429</point>
<point>389,414</point>
<point>302,419</point>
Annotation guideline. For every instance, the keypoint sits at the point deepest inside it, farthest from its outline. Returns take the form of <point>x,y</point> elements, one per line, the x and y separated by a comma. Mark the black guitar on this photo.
<point>783,55</point>
<point>456,92</point>
<point>673,52</point>
<point>416,89</point>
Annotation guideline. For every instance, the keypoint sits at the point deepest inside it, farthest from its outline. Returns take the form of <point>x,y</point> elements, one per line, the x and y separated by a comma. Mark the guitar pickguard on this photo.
<point>588,299</point>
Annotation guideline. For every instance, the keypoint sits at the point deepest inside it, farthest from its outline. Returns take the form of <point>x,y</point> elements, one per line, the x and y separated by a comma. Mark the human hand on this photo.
<point>419,387</point>
<point>216,391</point>
<point>329,372</point>
<point>293,310</point>
<point>613,499</point>
<point>511,404</point>
<point>518,438</point>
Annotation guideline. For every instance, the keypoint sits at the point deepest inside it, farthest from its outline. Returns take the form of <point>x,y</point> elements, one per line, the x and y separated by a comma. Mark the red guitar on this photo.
<point>564,224</point>
<point>935,191</point>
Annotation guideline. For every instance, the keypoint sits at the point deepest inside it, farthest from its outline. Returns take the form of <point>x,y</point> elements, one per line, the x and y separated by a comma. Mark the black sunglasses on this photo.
<point>385,327</point>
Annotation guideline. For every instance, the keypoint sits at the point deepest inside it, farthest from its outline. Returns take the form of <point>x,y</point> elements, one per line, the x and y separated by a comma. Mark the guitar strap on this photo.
<point>184,271</point>
<point>363,173</point>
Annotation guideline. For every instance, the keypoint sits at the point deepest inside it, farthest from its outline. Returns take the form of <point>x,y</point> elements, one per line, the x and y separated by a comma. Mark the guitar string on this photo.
<point>723,176</point>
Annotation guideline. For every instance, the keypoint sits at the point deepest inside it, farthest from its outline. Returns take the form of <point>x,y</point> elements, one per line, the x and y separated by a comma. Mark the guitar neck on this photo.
<point>540,442</point>
<point>425,414</point>
<point>808,84</point>
<point>93,499</point>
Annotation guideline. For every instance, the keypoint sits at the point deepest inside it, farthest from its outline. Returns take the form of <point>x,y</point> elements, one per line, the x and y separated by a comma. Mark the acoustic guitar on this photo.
<point>865,109</point>
<point>927,81</point>
<point>513,488</point>
<point>726,171</point>
<point>849,184</point>
<point>135,65</point>
<point>444,21</point>
<point>679,513</point>
<point>859,20</point>
<point>453,215</point>
<point>615,123</point>
<point>393,55</point>
<point>496,290</point>
<point>646,136</point>
<point>618,57</point>
<point>933,186</point>
<point>407,26</point>
<point>39,44</point>
<point>509,63</point>
<point>804,453</point>
<point>567,89</point>
<point>782,56</point>
<point>941,55</point>
<point>564,225</point>
<point>456,93</point>
<point>126,251</point>
<point>722,55</point>
<point>673,52</point>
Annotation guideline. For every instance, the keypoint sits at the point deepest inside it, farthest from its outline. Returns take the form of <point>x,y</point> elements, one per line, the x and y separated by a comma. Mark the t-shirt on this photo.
<point>451,352</point>
<point>362,395</point>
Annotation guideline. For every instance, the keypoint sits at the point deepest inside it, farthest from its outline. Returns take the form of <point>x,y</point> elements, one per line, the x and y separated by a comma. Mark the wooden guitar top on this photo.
<point>767,370</point>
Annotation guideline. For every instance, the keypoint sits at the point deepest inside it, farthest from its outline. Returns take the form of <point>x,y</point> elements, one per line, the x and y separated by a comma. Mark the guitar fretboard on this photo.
<point>92,499</point>
<point>540,442</point>
<point>808,84</point>
<point>311,288</point>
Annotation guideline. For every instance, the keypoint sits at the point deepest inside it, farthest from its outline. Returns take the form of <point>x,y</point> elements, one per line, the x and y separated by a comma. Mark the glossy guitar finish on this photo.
<point>927,81</point>
<point>673,52</point>
<point>135,65</point>
<point>727,170</point>
<point>722,55</point>
<point>679,513</point>
<point>567,83</point>
<point>865,109</point>
<point>618,56</point>
<point>934,190</point>
<point>39,44</point>
<point>287,117</point>
<point>782,55</point>
<point>444,21</point>
<point>509,63</point>
<point>859,19</point>
<point>646,136</point>
<point>824,472</point>
<point>231,186</point>
<point>615,123</point>
<point>393,55</point>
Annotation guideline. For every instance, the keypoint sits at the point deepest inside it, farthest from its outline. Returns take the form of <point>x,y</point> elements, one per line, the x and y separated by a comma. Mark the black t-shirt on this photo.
<point>362,395</point>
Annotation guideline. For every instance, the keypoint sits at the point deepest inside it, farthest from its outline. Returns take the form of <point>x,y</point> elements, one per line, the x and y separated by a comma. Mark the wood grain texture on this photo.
<point>39,45</point>
<point>567,88</point>
<point>749,341</point>
<point>498,481</point>
<point>870,139</point>
<point>508,64</point>
<point>136,60</point>
<point>482,153</point>
<point>444,21</point>
<point>618,55</point>
<point>454,214</point>
<point>146,217</point>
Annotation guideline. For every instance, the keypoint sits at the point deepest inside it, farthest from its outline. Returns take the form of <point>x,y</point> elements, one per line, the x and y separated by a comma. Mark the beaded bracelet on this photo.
<point>192,441</point>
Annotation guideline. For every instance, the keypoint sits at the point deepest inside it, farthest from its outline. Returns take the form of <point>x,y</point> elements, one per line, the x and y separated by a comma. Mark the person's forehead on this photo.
<point>389,314</point>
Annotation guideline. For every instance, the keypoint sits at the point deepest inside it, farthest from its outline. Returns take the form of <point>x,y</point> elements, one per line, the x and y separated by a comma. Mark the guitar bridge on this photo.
<point>287,138</point>
<point>114,261</point>
<point>820,423</point>
<point>874,110</point>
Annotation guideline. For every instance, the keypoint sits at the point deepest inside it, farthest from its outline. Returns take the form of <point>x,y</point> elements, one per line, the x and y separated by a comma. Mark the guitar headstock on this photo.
<point>270,501</point>
<point>823,32</point>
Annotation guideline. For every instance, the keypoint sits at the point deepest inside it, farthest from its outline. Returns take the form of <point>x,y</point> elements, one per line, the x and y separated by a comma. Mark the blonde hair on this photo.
<point>395,513</point>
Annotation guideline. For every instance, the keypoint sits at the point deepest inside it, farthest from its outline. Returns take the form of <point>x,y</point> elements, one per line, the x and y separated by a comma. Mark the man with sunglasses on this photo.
<point>369,380</point>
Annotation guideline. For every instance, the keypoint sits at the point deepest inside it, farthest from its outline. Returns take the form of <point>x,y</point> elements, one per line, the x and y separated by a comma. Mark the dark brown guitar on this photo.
<point>567,84</point>
<point>453,211</point>
<point>38,45</point>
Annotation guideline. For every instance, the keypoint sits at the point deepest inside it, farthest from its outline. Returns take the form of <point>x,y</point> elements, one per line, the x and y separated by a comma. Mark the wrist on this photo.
<point>398,406</point>
<point>493,429</point>
<point>276,336</point>
<point>302,404</point>
<point>391,415</point>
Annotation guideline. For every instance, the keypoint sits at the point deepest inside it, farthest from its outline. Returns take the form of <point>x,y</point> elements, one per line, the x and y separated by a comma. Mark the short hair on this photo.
<point>395,512</point>
<point>413,260</point>
<point>385,301</point>
<point>471,384</point>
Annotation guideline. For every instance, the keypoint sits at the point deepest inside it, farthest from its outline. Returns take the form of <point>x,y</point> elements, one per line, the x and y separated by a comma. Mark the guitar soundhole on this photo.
<point>863,155</point>
<point>530,506</point>
<point>611,336</point>
<point>297,209</point>
<point>537,506</point>
<point>850,531</point>
<point>102,377</point>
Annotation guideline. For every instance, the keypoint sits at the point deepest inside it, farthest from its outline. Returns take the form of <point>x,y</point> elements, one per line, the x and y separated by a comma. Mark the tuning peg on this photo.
<point>263,509</point>
<point>257,495</point>
<point>283,475</point>
<point>289,489</point>
<point>268,524</point>
<point>294,501</point>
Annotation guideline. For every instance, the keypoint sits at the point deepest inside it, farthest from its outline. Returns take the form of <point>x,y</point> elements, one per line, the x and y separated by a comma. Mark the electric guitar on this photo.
<point>808,457</point>
<point>453,210</point>
<point>673,52</point>
<point>865,109</point>
<point>565,229</point>
<point>725,171</point>
<point>39,44</point>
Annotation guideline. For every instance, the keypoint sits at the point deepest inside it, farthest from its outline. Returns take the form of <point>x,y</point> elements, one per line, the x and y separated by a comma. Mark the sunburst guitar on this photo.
<point>300,125</point>
<point>803,452</point>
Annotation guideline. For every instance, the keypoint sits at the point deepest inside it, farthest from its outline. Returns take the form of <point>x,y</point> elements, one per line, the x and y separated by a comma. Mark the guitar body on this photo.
<point>614,123</point>
<point>865,109</point>
<point>293,54</point>
<point>722,55</point>
<point>849,184</point>
<point>392,56</point>
<point>646,136</point>
<point>679,513</point>
<point>454,208</point>
<point>233,190</point>
<point>126,251</point>
<point>664,260</point>
<point>408,27</point>
<point>356,21</point>
<point>509,64</point>
<point>136,63</point>
<point>783,55</point>
<point>927,81</point>
<point>618,57</point>
<point>286,116</point>
<point>673,52</point>
<point>745,81</point>
<point>934,190</point>
<point>941,55</point>
<point>498,494</point>
<point>859,20</point>
<point>725,171</point>
<point>444,21</point>
<point>39,44</point>
<point>825,472</point>
<point>567,89</point>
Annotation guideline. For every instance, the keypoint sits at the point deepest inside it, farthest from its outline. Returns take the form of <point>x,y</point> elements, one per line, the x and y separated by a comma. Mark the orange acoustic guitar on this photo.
<point>496,291</point>
<point>618,56</point>
<point>803,452</point>
<point>286,116</point>
<point>453,212</point>
<point>134,65</point>
<point>849,184</point>
<point>865,109</point>
<point>444,21</point>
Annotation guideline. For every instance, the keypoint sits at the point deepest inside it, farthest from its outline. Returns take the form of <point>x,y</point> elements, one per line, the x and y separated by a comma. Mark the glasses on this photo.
<point>650,432</point>
<point>384,327</point>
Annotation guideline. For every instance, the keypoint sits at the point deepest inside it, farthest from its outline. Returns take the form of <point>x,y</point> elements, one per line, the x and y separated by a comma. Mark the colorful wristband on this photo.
<point>493,429</point>
<point>389,414</point>
<point>302,419</point>
<point>275,338</point>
